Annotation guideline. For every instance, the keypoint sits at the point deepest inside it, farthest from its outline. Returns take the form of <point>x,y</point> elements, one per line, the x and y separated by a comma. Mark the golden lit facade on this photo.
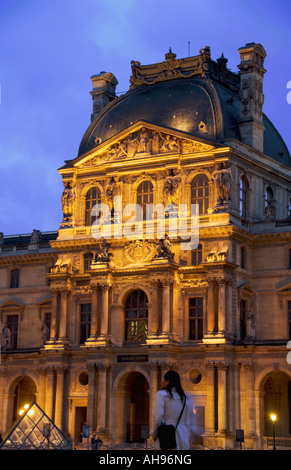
<point>90,322</point>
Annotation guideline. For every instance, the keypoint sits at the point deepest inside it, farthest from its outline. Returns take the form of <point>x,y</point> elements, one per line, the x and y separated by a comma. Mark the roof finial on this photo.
<point>170,55</point>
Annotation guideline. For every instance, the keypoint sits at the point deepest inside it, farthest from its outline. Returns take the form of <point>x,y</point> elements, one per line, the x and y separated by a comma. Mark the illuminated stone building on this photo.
<point>121,310</point>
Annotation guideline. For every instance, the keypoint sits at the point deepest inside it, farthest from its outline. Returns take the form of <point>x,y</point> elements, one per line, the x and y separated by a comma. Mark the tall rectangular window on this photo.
<point>196,256</point>
<point>243,318</point>
<point>196,318</point>
<point>85,322</point>
<point>14,279</point>
<point>12,324</point>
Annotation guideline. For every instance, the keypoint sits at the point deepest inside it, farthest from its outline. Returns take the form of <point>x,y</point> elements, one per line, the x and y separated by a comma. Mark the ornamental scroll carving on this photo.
<point>147,142</point>
<point>169,69</point>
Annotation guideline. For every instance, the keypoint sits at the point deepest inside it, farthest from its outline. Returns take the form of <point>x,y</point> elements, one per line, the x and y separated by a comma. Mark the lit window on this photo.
<point>88,258</point>
<point>196,256</point>
<point>196,318</point>
<point>145,196</point>
<point>93,197</point>
<point>136,317</point>
<point>200,193</point>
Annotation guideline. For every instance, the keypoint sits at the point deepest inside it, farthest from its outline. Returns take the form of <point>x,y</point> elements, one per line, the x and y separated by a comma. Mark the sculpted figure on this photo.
<point>164,248</point>
<point>68,199</point>
<point>45,332</point>
<point>223,179</point>
<point>6,332</point>
<point>251,328</point>
<point>170,144</point>
<point>103,255</point>
<point>171,186</point>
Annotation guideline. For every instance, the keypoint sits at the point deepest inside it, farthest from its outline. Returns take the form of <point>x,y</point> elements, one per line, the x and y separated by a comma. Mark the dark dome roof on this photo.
<point>181,104</point>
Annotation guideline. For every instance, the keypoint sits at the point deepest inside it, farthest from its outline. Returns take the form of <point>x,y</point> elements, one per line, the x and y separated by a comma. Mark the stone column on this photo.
<point>166,309</point>
<point>91,396</point>
<point>221,306</point>
<point>153,317</point>
<point>2,401</point>
<point>102,397</point>
<point>104,313</point>
<point>237,396</point>
<point>63,316</point>
<point>211,308</point>
<point>259,397</point>
<point>153,390</point>
<point>49,395</point>
<point>250,399</point>
<point>94,312</point>
<point>54,316</point>
<point>41,396</point>
<point>222,391</point>
<point>210,403</point>
<point>59,396</point>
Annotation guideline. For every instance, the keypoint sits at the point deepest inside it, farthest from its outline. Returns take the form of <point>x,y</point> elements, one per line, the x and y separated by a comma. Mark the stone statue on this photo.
<point>171,186</point>
<point>68,199</point>
<point>270,212</point>
<point>45,332</point>
<point>110,192</point>
<point>223,180</point>
<point>164,248</point>
<point>170,144</point>
<point>35,236</point>
<point>250,327</point>
<point>6,332</point>
<point>103,255</point>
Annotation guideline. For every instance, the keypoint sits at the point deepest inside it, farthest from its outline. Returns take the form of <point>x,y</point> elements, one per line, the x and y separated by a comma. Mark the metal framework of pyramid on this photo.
<point>35,431</point>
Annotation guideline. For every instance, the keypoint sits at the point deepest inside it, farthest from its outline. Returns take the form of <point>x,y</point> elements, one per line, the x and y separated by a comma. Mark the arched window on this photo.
<point>243,186</point>
<point>14,278</point>
<point>136,317</point>
<point>88,257</point>
<point>269,196</point>
<point>93,197</point>
<point>200,193</point>
<point>145,195</point>
<point>196,256</point>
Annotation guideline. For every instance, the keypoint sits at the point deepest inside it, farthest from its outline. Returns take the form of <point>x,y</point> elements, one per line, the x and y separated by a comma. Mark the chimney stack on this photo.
<point>104,85</point>
<point>251,95</point>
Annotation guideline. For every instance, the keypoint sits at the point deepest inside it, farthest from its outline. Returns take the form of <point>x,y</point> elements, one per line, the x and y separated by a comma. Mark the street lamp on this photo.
<point>274,419</point>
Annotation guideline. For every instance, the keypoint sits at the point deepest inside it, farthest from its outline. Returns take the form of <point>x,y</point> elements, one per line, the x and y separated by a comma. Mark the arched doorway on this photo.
<point>277,400</point>
<point>23,390</point>
<point>132,406</point>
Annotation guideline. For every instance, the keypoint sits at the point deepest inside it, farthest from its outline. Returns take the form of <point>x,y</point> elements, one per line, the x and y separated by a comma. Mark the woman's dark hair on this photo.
<point>174,382</point>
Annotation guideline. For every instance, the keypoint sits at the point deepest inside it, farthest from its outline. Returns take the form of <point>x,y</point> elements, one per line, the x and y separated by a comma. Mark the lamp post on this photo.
<point>274,419</point>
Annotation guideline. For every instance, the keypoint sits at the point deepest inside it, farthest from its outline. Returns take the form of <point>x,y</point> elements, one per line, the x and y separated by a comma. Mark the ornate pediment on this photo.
<point>142,142</point>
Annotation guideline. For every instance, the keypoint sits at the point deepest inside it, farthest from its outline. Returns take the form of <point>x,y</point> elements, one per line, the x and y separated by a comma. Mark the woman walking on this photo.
<point>168,406</point>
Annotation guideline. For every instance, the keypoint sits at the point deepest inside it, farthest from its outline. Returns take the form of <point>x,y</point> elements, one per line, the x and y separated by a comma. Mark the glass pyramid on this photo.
<point>35,430</point>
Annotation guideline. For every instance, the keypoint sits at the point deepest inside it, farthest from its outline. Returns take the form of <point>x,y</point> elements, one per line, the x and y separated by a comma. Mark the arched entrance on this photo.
<point>132,408</point>
<point>277,400</point>
<point>22,392</point>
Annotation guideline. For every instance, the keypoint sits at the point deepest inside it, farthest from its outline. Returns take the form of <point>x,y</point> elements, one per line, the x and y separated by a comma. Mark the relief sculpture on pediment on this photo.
<point>147,142</point>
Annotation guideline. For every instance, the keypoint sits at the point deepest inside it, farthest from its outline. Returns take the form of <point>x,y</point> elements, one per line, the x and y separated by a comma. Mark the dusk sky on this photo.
<point>50,48</point>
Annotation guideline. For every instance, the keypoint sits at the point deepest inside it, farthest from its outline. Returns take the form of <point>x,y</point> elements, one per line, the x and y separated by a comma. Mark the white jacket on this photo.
<point>168,408</point>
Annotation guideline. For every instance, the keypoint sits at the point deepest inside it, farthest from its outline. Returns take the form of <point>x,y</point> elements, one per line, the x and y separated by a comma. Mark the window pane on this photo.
<point>196,318</point>
<point>136,317</point>
<point>200,193</point>
<point>93,197</point>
